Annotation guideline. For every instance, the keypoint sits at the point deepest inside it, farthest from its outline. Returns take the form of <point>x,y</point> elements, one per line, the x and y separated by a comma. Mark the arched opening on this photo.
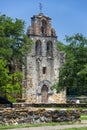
<point>53,33</point>
<point>38,48</point>
<point>49,48</point>
<point>43,27</point>
<point>44,94</point>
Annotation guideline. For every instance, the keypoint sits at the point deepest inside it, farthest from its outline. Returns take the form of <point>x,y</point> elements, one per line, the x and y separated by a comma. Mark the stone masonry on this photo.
<point>43,63</point>
<point>35,116</point>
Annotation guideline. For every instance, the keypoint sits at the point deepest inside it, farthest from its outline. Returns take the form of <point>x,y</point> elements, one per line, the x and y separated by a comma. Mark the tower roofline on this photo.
<point>41,25</point>
<point>40,15</point>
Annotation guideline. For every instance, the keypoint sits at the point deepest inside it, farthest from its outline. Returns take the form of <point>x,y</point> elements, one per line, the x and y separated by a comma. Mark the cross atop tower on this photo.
<point>40,6</point>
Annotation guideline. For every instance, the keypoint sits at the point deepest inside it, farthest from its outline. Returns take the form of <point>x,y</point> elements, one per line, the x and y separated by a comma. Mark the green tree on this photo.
<point>73,73</point>
<point>61,46</point>
<point>14,44</point>
<point>3,74</point>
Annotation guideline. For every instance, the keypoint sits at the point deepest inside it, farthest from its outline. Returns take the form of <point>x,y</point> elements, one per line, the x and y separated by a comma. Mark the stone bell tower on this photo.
<point>43,63</point>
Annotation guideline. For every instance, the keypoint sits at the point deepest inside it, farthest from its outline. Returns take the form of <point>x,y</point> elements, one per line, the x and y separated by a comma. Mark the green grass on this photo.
<point>37,125</point>
<point>81,128</point>
<point>67,108</point>
<point>83,117</point>
<point>33,125</point>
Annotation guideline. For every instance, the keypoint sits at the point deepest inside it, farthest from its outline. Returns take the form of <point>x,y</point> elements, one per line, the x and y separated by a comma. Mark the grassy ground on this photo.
<point>33,125</point>
<point>83,117</point>
<point>38,125</point>
<point>64,108</point>
<point>82,128</point>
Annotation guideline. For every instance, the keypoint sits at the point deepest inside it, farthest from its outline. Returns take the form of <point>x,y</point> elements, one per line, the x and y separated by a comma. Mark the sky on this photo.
<point>68,16</point>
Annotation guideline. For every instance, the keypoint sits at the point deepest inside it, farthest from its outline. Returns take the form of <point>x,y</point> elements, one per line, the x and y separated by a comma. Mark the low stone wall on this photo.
<point>49,105</point>
<point>83,111</point>
<point>19,116</point>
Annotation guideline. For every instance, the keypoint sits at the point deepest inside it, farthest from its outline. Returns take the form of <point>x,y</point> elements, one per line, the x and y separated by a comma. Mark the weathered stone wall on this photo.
<point>35,79</point>
<point>29,115</point>
<point>43,63</point>
<point>58,97</point>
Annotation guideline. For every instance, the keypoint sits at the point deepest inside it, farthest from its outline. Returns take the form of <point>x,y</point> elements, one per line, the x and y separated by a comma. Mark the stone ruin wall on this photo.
<point>30,115</point>
<point>55,98</point>
<point>44,54</point>
<point>32,78</point>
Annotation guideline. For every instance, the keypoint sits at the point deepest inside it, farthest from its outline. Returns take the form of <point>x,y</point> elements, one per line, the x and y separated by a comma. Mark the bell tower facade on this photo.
<point>43,63</point>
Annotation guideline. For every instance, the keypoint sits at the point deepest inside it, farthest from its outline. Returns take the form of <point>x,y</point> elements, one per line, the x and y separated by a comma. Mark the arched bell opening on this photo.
<point>38,48</point>
<point>49,49</point>
<point>44,27</point>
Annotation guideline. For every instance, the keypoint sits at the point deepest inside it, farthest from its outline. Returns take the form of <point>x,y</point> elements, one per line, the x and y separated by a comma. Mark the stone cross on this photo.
<point>40,6</point>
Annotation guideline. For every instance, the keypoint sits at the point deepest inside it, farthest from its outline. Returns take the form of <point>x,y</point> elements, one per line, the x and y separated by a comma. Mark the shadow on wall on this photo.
<point>5,101</point>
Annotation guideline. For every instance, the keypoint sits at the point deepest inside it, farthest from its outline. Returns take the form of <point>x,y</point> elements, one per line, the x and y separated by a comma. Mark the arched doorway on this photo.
<point>44,94</point>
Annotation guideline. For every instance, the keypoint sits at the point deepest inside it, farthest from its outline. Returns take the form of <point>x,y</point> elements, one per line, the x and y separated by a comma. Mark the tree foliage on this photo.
<point>14,44</point>
<point>73,75</point>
